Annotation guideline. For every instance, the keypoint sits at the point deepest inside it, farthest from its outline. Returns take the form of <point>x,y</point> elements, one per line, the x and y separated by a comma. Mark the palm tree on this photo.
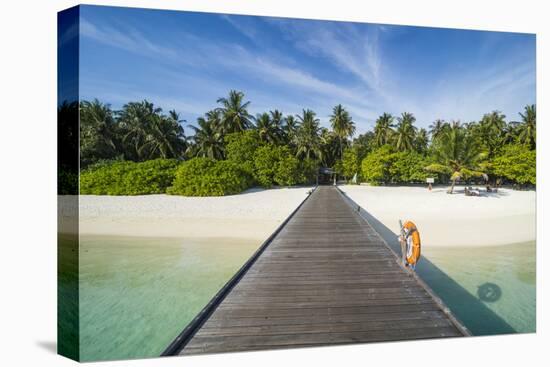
<point>98,132</point>
<point>457,154</point>
<point>528,127</point>
<point>330,147</point>
<point>437,127</point>
<point>208,139</point>
<point>166,138</point>
<point>405,132</point>
<point>494,121</point>
<point>383,129</point>
<point>235,116</point>
<point>492,131</point>
<point>136,119</point>
<point>289,128</point>
<point>342,125</point>
<point>307,139</point>
<point>277,118</point>
<point>268,130</point>
<point>421,141</point>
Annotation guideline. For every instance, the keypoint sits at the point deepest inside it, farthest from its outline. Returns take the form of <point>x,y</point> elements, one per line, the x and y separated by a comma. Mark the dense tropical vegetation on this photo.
<point>140,149</point>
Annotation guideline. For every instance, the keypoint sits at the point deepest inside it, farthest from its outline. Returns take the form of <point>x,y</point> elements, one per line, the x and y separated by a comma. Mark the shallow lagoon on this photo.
<point>491,289</point>
<point>137,294</point>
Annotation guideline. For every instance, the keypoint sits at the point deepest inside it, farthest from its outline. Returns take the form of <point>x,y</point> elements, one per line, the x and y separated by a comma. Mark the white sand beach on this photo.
<point>493,219</point>
<point>254,214</point>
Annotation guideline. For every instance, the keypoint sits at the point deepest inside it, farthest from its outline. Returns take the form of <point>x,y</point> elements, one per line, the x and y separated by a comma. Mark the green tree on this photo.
<point>234,112</point>
<point>98,132</point>
<point>277,119</point>
<point>288,171</point>
<point>363,144</point>
<point>383,129</point>
<point>437,128</point>
<point>342,125</point>
<point>208,138</point>
<point>421,141</point>
<point>376,165</point>
<point>241,148</point>
<point>136,121</point>
<point>276,165</point>
<point>405,131</point>
<point>407,167</point>
<point>528,126</point>
<point>351,164</point>
<point>330,147</point>
<point>491,131</point>
<point>165,138</point>
<point>266,160</point>
<point>458,154</point>
<point>517,163</point>
<point>290,127</point>
<point>307,139</point>
<point>268,129</point>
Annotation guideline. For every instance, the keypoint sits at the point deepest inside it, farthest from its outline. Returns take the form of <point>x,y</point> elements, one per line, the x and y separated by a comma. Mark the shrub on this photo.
<point>266,161</point>
<point>276,165</point>
<point>288,171</point>
<point>407,167</point>
<point>517,163</point>
<point>207,177</point>
<point>376,165</point>
<point>129,178</point>
<point>350,164</point>
<point>241,148</point>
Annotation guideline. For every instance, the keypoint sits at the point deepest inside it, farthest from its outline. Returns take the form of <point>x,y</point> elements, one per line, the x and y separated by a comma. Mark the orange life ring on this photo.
<point>412,239</point>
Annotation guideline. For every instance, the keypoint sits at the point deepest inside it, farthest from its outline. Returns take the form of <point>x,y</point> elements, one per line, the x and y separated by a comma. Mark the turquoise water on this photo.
<point>138,294</point>
<point>492,290</point>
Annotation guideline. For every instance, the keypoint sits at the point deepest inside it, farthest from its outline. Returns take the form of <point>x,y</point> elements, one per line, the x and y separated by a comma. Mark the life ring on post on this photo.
<point>412,239</point>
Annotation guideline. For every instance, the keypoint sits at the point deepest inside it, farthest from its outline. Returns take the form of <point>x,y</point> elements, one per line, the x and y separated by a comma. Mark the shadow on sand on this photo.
<point>49,346</point>
<point>477,317</point>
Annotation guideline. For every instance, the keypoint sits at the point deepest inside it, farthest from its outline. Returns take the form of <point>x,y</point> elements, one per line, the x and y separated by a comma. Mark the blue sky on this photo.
<point>186,61</point>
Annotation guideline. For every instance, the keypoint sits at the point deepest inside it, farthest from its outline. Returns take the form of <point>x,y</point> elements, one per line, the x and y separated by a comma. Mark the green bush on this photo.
<point>241,148</point>
<point>350,164</point>
<point>407,167</point>
<point>128,178</point>
<point>288,171</point>
<point>275,165</point>
<point>208,177</point>
<point>266,161</point>
<point>384,165</point>
<point>376,165</point>
<point>517,163</point>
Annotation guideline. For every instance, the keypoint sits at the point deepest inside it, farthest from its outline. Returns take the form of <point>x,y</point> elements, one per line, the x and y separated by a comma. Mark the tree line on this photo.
<point>395,151</point>
<point>140,131</point>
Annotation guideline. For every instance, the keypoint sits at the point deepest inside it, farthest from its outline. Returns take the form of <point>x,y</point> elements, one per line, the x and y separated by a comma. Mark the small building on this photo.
<point>326,176</point>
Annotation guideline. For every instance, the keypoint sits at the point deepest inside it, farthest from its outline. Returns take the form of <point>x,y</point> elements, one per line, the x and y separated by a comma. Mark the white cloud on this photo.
<point>281,81</point>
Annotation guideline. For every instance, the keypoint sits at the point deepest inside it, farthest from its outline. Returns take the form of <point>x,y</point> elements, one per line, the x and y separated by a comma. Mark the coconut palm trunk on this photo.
<point>452,186</point>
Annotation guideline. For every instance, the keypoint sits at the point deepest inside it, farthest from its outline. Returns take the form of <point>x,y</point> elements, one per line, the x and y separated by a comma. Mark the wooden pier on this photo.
<point>325,277</point>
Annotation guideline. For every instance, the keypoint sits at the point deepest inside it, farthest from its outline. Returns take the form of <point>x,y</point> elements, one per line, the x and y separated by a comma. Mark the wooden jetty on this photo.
<point>325,277</point>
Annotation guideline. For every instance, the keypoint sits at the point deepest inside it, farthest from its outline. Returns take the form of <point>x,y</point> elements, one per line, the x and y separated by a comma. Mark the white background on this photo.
<point>28,182</point>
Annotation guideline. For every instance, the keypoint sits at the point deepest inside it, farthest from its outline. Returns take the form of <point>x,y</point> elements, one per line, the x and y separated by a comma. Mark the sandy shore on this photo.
<point>254,214</point>
<point>452,220</point>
